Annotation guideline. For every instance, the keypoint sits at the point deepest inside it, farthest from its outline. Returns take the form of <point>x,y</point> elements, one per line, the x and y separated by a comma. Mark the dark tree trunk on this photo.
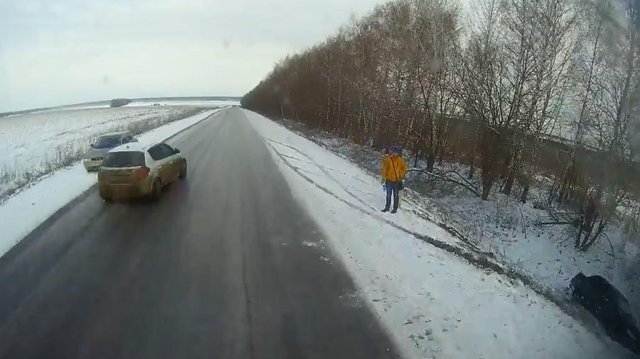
<point>486,189</point>
<point>589,217</point>
<point>568,182</point>
<point>552,190</point>
<point>525,193</point>
<point>490,155</point>
<point>431,160</point>
<point>563,191</point>
<point>505,171</point>
<point>487,183</point>
<point>579,235</point>
<point>508,185</point>
<point>585,246</point>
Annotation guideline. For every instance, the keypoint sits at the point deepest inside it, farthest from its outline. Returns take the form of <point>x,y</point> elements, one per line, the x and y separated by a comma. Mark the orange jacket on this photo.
<point>393,168</point>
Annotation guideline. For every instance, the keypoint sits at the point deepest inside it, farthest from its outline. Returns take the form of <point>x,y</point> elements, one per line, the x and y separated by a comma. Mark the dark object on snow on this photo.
<point>609,306</point>
<point>119,102</point>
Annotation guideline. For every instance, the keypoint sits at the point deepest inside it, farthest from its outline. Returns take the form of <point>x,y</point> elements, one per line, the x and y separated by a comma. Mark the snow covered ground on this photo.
<point>434,304</point>
<point>105,104</point>
<point>176,101</point>
<point>43,198</point>
<point>36,143</point>
<point>186,102</point>
<point>510,230</point>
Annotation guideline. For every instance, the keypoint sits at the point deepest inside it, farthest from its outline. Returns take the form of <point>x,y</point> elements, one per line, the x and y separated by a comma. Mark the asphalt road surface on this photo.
<point>224,265</point>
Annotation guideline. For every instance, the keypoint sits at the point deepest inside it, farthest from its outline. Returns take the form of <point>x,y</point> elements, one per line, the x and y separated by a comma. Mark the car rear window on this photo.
<point>107,141</point>
<point>124,159</point>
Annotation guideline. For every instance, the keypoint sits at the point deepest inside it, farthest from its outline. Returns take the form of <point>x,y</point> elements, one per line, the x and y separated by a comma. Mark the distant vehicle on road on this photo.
<point>95,155</point>
<point>139,170</point>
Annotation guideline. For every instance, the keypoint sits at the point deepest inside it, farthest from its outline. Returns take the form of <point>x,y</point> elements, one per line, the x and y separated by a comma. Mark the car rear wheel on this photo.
<point>106,198</point>
<point>183,172</point>
<point>156,189</point>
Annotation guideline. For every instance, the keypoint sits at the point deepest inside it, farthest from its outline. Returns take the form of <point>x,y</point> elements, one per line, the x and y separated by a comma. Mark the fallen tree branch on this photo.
<point>467,186</point>
<point>613,252</point>
<point>553,223</point>
<point>461,178</point>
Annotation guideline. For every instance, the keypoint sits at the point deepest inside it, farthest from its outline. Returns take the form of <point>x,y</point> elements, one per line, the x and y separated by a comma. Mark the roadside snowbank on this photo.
<point>24,211</point>
<point>434,304</point>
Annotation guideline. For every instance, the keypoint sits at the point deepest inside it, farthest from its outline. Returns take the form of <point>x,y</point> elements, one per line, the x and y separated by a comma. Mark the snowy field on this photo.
<point>105,104</point>
<point>37,143</point>
<point>23,212</point>
<point>434,304</point>
<point>139,103</point>
<point>186,102</point>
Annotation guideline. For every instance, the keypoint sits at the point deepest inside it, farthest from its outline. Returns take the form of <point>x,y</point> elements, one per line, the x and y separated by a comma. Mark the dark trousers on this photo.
<point>392,188</point>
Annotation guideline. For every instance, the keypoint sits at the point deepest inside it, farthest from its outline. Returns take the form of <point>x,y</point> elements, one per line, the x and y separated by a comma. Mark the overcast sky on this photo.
<point>55,52</point>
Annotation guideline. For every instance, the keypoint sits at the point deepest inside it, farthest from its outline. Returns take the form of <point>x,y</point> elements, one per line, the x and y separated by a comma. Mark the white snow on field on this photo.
<point>44,198</point>
<point>140,103</point>
<point>105,104</point>
<point>33,143</point>
<point>186,102</point>
<point>434,304</point>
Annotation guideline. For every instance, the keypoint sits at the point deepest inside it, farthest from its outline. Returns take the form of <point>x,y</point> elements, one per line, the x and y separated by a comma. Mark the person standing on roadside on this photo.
<point>394,169</point>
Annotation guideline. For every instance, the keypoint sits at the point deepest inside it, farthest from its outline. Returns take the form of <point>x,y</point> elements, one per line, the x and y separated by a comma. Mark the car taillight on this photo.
<point>143,172</point>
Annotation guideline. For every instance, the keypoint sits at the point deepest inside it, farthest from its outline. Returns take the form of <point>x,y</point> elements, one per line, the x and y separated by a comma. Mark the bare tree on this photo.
<point>490,90</point>
<point>498,97</point>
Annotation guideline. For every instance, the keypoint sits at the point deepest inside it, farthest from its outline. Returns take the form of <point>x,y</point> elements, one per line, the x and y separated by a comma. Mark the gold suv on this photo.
<point>139,170</point>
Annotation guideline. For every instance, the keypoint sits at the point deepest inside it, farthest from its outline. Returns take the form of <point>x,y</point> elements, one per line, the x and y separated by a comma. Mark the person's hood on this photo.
<point>97,152</point>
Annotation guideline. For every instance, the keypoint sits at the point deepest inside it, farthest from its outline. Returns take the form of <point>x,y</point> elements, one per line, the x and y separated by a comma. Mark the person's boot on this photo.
<point>394,211</point>
<point>385,210</point>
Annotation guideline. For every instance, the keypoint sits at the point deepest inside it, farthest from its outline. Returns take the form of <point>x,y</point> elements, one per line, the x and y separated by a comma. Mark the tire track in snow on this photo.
<point>321,168</point>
